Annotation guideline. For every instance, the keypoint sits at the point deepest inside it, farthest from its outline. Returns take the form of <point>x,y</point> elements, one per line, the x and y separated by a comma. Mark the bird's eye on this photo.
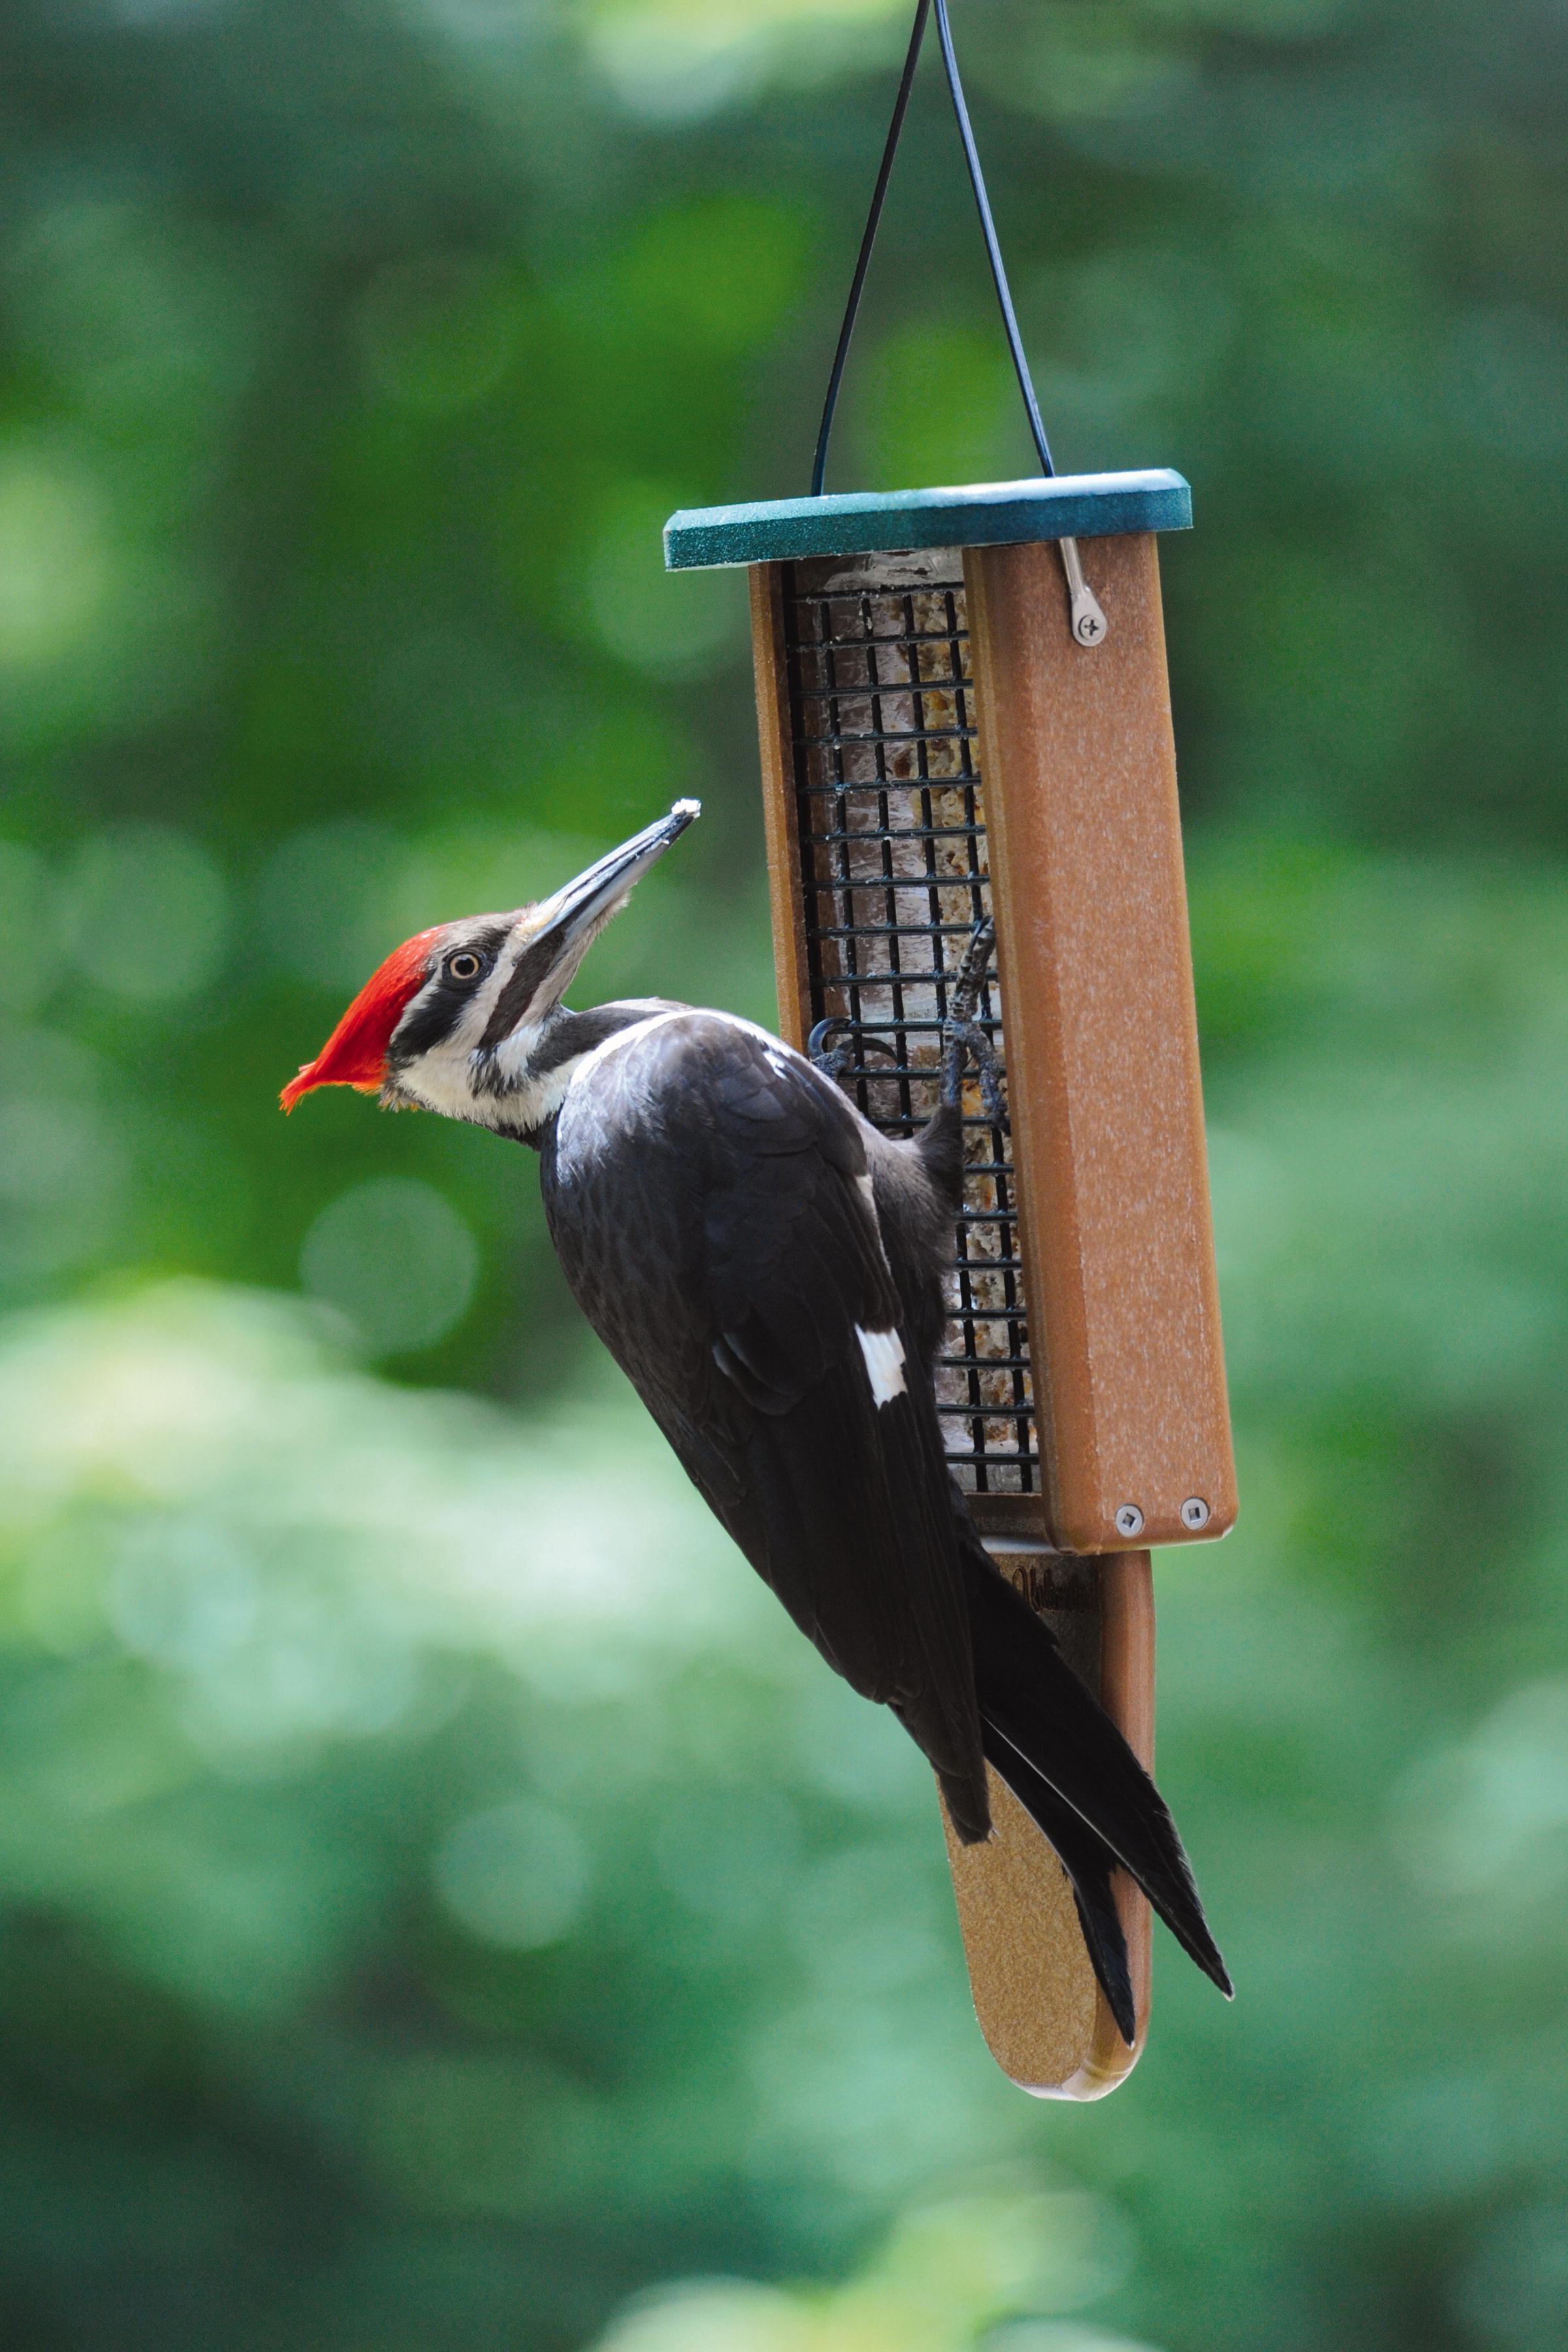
<point>463,966</point>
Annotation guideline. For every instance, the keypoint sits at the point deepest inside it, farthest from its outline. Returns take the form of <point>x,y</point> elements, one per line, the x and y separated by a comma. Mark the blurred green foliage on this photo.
<point>440,1898</point>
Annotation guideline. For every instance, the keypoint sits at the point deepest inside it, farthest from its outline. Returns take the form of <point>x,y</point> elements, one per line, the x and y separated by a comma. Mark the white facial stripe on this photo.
<point>537,1099</point>
<point>884,1354</point>
<point>476,1019</point>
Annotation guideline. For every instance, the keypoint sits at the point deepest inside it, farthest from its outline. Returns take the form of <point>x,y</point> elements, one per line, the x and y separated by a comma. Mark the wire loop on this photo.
<point>988,229</point>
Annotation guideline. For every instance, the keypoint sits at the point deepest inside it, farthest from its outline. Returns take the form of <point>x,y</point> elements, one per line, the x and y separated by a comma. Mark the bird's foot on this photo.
<point>834,1061</point>
<point>964,1001</point>
<point>963,1035</point>
<point>965,1039</point>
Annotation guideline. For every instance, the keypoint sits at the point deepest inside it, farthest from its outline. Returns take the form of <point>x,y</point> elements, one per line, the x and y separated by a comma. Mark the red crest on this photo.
<point>355,1053</point>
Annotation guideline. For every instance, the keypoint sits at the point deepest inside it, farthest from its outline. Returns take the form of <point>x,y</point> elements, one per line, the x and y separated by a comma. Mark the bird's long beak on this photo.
<point>562,927</point>
<point>603,889</point>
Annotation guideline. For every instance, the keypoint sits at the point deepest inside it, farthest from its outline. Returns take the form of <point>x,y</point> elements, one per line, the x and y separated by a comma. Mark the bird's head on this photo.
<point>462,1019</point>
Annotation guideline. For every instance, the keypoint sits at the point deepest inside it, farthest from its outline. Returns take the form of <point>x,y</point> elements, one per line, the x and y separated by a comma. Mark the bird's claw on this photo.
<point>964,1001</point>
<point>831,1060</point>
<point>964,1036</point>
<point>835,1060</point>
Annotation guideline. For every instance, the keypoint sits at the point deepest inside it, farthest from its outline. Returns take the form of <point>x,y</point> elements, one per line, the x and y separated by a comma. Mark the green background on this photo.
<point>440,1898</point>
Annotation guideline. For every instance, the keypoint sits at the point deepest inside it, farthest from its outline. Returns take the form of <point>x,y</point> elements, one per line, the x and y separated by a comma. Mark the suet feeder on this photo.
<point>937,746</point>
<point>962,716</point>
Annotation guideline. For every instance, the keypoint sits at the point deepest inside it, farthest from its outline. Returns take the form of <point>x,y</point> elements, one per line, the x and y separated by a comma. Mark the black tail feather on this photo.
<point>1031,1696</point>
<point>1088,1862</point>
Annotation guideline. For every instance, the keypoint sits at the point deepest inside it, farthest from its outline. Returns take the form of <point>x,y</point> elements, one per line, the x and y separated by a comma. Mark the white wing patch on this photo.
<point>884,1354</point>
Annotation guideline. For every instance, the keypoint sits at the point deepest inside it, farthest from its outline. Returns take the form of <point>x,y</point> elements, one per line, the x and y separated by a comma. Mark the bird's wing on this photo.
<point>709,1195</point>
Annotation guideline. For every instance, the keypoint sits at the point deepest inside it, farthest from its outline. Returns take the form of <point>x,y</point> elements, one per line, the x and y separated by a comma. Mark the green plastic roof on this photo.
<point>983,514</point>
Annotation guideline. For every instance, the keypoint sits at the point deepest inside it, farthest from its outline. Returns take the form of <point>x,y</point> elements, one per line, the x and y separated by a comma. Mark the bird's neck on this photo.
<point>529,1109</point>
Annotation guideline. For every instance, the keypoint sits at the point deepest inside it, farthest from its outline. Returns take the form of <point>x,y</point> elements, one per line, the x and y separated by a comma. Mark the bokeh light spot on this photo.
<point>517,1875</point>
<point>717,2316</point>
<point>26,974</point>
<point>62,1182</point>
<point>729,1854</point>
<point>182,1593</point>
<point>145,913</point>
<point>674,624</point>
<point>394,1256</point>
<point>54,563</point>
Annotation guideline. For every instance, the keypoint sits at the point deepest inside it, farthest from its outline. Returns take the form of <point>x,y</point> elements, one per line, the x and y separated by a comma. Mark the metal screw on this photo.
<point>1194,1512</point>
<point>1129,1520</point>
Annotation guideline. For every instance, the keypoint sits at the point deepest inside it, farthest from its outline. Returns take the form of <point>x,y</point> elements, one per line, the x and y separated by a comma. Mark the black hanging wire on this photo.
<point>988,228</point>
<point>994,250</point>
<point>873,222</point>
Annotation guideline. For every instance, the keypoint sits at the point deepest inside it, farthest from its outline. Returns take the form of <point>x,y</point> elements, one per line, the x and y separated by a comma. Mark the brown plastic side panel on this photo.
<point>774,734</point>
<point>1046,2020</point>
<point>1089,897</point>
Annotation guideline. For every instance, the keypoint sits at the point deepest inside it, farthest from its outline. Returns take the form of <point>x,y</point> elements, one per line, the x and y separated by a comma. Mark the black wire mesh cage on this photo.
<point>895,876</point>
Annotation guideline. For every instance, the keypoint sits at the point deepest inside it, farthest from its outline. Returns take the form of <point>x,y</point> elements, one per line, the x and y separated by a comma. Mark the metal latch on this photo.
<point>1088,623</point>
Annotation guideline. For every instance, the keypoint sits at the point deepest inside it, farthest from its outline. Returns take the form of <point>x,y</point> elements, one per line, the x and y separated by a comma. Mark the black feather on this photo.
<point>1031,1697</point>
<point>707,1193</point>
<point>1088,1862</point>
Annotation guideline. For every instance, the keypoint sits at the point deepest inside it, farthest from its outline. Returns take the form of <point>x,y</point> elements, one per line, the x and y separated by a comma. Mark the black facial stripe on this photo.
<point>428,1024</point>
<point>531,972</point>
<point>443,1007</point>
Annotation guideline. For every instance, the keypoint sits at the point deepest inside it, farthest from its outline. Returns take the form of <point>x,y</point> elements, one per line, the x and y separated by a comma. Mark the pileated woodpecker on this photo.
<point>765,1268</point>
